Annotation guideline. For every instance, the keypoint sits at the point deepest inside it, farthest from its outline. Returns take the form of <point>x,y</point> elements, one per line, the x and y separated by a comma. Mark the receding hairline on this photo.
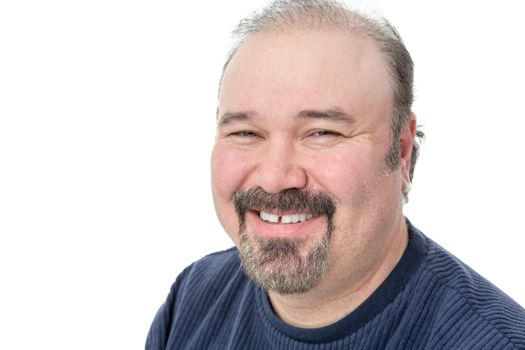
<point>324,15</point>
<point>292,29</point>
<point>306,14</point>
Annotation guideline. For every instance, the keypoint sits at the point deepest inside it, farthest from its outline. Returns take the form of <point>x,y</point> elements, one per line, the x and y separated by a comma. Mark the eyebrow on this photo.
<point>335,114</point>
<point>329,114</point>
<point>230,117</point>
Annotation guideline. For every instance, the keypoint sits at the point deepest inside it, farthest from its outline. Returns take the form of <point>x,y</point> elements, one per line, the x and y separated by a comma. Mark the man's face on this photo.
<point>299,176</point>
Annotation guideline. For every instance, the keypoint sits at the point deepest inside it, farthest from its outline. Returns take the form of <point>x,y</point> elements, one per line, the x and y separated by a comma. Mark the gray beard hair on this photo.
<point>278,265</point>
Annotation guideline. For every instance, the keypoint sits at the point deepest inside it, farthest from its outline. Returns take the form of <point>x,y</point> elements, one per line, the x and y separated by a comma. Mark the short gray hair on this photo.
<point>282,15</point>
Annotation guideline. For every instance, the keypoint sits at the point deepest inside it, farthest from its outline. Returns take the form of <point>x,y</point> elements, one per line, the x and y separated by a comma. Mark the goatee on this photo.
<point>279,264</point>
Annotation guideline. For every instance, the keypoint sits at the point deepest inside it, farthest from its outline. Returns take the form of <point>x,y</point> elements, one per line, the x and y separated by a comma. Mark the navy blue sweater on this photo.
<point>431,300</point>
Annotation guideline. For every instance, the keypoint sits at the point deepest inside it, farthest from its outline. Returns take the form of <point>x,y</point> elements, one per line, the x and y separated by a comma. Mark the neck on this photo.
<point>336,297</point>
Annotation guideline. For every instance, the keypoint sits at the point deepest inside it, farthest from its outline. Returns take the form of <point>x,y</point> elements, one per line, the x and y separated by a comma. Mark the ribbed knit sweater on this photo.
<point>431,300</point>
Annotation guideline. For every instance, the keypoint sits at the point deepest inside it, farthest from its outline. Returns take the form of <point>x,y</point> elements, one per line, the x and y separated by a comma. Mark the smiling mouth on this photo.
<point>285,219</point>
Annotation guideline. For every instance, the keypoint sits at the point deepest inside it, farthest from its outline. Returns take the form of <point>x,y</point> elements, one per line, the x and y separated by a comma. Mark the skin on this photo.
<point>265,138</point>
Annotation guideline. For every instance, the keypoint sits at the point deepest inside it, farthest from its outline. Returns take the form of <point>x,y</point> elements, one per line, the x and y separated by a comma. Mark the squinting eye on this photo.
<point>323,138</point>
<point>325,133</point>
<point>244,133</point>
<point>244,137</point>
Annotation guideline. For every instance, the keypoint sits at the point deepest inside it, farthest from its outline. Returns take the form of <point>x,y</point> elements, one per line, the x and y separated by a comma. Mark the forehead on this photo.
<point>290,71</point>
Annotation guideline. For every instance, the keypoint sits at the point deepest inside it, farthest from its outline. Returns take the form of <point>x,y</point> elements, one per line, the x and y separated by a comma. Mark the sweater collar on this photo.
<point>385,294</point>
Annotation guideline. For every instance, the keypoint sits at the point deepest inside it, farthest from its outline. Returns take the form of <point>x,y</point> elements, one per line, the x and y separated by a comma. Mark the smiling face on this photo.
<point>299,176</point>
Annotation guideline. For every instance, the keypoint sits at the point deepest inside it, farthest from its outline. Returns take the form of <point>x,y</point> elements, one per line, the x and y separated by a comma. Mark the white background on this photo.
<point>106,126</point>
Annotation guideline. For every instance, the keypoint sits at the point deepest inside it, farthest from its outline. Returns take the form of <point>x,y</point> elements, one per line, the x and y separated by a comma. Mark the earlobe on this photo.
<point>406,142</point>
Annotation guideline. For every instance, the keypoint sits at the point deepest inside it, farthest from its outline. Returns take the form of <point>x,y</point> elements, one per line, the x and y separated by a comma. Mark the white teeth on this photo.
<point>269,217</point>
<point>285,219</point>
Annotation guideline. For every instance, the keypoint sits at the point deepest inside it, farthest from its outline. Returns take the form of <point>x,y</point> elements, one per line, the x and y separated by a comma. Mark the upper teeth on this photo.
<point>285,219</point>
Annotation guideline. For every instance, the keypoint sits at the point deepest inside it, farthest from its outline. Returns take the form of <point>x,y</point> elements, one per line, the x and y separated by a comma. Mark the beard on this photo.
<point>280,264</point>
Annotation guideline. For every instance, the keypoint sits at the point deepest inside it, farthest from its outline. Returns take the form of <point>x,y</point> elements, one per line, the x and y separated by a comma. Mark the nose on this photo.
<point>279,168</point>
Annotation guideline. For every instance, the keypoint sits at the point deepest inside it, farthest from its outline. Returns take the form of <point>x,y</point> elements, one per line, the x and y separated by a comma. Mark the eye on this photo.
<point>244,137</point>
<point>323,137</point>
<point>244,133</point>
<point>321,133</point>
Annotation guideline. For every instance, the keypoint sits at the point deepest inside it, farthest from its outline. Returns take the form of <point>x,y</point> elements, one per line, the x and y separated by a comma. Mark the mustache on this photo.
<point>289,200</point>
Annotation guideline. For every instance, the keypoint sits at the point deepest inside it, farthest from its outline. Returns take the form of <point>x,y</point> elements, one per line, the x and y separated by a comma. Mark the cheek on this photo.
<point>358,180</point>
<point>364,194</point>
<point>367,196</point>
<point>228,171</point>
<point>346,175</point>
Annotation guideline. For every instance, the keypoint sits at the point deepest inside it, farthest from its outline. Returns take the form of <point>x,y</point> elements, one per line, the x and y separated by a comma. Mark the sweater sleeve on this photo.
<point>160,328</point>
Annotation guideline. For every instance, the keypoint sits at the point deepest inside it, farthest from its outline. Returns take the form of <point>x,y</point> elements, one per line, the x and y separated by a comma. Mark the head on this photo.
<point>315,143</point>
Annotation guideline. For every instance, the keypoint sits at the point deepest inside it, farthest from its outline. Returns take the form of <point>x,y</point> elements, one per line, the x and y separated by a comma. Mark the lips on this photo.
<point>285,219</point>
<point>290,213</point>
<point>278,224</point>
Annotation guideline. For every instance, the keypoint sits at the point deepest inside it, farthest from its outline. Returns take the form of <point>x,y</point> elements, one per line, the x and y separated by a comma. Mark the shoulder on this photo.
<point>471,303</point>
<point>205,294</point>
<point>208,276</point>
<point>214,265</point>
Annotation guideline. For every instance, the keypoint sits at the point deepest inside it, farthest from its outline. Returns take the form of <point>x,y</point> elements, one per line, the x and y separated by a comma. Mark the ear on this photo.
<point>406,143</point>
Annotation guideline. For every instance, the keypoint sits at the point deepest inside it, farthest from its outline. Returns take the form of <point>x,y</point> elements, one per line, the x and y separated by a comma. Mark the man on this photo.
<point>314,155</point>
